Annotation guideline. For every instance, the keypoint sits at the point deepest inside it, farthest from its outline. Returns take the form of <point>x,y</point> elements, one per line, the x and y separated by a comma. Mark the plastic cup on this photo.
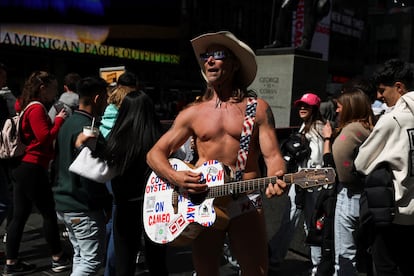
<point>88,131</point>
<point>93,133</point>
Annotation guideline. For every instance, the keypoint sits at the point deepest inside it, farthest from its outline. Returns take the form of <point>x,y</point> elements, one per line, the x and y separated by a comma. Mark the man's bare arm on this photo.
<point>157,157</point>
<point>269,146</point>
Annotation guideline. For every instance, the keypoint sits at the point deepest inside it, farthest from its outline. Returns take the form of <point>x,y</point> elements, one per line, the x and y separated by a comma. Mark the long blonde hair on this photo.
<point>118,94</point>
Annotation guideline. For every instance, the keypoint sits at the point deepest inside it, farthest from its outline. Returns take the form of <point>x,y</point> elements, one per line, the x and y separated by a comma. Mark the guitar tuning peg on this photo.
<point>310,190</point>
<point>319,188</point>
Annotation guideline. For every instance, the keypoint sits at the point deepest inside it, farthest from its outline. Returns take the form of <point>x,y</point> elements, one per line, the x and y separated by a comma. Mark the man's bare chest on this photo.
<point>216,124</point>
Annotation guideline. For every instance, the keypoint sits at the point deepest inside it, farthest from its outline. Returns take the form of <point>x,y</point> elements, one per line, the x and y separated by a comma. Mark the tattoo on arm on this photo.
<point>270,118</point>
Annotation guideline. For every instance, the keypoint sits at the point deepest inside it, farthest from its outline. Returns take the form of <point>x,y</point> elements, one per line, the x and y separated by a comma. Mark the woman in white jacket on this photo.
<point>301,200</point>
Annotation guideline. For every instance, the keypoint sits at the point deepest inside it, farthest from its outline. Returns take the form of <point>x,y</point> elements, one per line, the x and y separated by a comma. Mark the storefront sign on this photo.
<point>25,40</point>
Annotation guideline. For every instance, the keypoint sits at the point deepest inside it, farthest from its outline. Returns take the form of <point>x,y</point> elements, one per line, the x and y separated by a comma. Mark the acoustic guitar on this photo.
<point>172,215</point>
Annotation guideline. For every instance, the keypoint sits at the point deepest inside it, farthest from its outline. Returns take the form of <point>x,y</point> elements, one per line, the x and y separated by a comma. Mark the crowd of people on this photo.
<point>367,214</point>
<point>361,223</point>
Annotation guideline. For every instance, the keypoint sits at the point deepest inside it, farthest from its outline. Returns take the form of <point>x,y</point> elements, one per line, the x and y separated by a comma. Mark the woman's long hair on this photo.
<point>135,131</point>
<point>118,94</point>
<point>356,107</point>
<point>313,119</point>
<point>31,87</point>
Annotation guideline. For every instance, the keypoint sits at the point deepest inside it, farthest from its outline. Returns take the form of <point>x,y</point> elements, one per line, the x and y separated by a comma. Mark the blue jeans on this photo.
<point>87,235</point>
<point>346,222</point>
<point>110,251</point>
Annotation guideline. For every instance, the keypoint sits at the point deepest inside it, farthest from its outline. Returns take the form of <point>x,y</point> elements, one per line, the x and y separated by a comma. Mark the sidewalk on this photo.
<point>33,249</point>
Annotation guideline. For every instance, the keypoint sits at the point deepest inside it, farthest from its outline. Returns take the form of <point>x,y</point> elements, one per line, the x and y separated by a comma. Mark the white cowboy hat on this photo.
<point>245,55</point>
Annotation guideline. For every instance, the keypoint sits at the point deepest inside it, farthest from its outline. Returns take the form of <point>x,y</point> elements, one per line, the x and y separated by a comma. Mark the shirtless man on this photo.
<point>229,67</point>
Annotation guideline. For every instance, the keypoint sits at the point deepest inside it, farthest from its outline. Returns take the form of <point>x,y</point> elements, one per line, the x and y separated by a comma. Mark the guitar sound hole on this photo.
<point>198,198</point>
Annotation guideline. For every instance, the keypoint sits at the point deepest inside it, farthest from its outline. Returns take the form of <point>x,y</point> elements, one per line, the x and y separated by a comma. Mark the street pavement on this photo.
<point>33,249</point>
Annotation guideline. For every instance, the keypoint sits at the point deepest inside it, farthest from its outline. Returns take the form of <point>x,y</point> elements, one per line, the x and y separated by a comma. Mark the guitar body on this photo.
<point>171,216</point>
<point>174,216</point>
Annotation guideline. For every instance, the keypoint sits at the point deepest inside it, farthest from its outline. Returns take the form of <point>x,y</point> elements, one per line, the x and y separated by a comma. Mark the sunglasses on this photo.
<point>218,55</point>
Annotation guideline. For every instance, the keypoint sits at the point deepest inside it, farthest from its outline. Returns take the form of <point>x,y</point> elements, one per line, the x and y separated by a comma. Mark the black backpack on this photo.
<point>295,149</point>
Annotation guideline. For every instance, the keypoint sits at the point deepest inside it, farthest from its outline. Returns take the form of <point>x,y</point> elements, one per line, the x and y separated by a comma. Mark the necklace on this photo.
<point>218,103</point>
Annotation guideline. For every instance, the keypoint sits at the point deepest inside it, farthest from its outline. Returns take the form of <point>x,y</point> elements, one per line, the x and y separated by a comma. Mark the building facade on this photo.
<point>152,38</point>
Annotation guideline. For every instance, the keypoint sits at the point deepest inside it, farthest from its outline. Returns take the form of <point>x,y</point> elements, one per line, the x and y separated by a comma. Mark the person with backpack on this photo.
<point>309,155</point>
<point>32,186</point>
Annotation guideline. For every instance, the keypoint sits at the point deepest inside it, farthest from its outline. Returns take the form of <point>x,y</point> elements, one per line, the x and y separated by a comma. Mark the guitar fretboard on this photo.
<point>306,178</point>
<point>243,186</point>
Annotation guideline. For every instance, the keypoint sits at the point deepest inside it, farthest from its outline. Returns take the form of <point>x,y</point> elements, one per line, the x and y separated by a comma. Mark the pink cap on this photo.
<point>309,99</point>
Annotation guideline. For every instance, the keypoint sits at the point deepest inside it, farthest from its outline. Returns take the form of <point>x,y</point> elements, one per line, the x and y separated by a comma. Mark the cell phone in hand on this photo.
<point>59,106</point>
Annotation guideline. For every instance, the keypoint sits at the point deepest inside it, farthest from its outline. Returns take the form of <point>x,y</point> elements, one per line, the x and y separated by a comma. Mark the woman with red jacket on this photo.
<point>31,181</point>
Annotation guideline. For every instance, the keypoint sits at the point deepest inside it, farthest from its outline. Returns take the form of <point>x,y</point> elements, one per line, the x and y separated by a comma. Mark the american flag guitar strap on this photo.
<point>245,137</point>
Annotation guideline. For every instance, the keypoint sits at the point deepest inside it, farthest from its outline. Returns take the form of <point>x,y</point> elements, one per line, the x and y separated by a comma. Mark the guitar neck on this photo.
<point>243,186</point>
<point>306,178</point>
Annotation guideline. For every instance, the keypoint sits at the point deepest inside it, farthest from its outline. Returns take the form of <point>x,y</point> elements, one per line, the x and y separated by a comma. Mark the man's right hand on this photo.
<point>189,181</point>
